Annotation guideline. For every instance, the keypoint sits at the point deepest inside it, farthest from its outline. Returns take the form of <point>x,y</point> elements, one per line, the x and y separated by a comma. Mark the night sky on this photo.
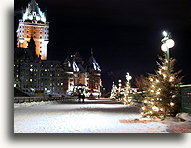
<point>125,34</point>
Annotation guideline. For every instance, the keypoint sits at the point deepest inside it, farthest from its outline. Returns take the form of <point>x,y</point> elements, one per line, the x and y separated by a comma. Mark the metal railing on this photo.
<point>39,99</point>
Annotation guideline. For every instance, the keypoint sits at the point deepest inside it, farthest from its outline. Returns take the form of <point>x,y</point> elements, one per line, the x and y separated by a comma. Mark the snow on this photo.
<point>184,116</point>
<point>93,116</point>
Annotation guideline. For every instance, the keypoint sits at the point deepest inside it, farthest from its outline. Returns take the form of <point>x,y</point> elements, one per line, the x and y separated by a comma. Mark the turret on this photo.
<point>92,65</point>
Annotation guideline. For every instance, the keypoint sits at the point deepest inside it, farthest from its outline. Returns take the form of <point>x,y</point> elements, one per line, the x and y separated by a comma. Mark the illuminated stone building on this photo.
<point>34,24</point>
<point>34,73</point>
<point>26,68</point>
<point>82,77</point>
<point>31,74</point>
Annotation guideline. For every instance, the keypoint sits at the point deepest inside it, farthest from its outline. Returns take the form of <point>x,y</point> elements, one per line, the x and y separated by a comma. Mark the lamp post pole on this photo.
<point>168,59</point>
<point>167,43</point>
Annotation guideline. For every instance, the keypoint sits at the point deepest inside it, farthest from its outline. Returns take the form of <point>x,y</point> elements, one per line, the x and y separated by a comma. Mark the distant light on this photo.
<point>165,33</point>
<point>164,47</point>
<point>170,43</point>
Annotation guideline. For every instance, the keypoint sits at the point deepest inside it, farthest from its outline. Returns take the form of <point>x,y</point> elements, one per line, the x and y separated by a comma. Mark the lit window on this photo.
<point>30,80</point>
<point>45,70</point>
<point>31,69</point>
<point>61,83</point>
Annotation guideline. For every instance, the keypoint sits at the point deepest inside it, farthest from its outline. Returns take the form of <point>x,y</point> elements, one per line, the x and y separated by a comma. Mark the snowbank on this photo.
<point>184,116</point>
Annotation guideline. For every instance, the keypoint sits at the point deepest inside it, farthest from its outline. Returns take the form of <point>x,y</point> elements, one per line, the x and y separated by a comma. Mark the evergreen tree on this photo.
<point>127,99</point>
<point>163,91</point>
<point>113,91</point>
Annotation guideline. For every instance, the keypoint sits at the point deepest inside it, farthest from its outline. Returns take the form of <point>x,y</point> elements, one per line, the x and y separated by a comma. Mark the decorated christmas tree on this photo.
<point>127,99</point>
<point>162,97</point>
<point>113,91</point>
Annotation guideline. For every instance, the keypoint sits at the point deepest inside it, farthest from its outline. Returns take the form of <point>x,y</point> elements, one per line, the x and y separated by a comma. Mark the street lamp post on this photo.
<point>167,43</point>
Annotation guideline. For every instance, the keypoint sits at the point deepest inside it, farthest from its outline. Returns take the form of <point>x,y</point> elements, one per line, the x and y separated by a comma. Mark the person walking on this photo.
<point>83,97</point>
<point>79,97</point>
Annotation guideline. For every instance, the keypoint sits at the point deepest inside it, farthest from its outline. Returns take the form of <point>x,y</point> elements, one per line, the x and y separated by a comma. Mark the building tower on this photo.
<point>34,24</point>
<point>94,70</point>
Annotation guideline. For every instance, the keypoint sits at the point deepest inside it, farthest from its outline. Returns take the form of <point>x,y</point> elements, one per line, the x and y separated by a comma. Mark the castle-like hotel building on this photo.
<point>34,24</point>
<point>33,73</point>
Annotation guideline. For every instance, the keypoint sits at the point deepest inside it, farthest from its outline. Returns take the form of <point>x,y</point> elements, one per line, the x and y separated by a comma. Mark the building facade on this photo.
<point>34,74</point>
<point>34,24</point>
<point>82,77</point>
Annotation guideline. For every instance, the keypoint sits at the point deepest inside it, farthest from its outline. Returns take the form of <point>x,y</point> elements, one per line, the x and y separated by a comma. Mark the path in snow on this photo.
<point>93,116</point>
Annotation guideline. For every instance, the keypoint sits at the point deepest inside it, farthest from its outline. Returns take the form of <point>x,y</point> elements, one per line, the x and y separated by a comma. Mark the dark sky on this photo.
<point>125,34</point>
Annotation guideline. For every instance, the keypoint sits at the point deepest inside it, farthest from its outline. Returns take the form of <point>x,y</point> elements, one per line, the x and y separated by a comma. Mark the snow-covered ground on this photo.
<point>93,116</point>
